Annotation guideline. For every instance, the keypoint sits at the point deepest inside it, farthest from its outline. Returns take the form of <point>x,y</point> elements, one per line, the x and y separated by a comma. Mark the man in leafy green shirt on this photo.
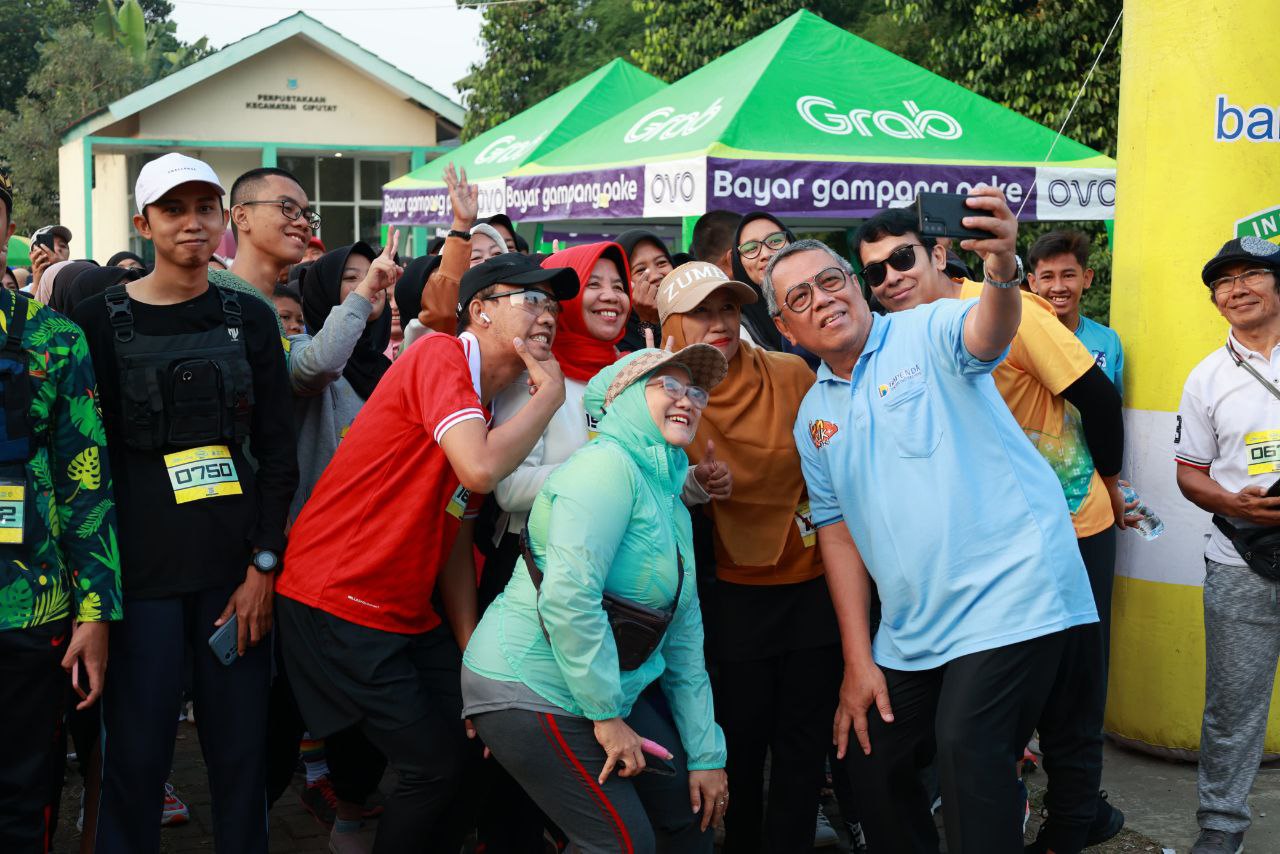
<point>59,565</point>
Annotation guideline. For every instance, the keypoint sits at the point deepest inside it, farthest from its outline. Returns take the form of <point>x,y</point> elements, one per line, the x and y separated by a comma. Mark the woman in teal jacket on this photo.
<point>542,682</point>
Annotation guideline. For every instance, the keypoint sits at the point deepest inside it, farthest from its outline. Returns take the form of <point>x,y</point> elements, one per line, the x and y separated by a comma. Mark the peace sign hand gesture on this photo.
<point>383,273</point>
<point>464,197</point>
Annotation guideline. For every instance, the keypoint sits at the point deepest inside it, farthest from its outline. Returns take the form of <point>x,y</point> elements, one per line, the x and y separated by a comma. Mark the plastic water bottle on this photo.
<point>1150,527</point>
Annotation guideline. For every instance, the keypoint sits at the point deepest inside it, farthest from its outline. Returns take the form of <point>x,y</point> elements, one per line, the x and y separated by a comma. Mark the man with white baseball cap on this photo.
<point>190,376</point>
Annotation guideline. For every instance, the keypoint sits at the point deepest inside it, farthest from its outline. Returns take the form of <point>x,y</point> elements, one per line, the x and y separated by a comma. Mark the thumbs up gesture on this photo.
<point>713,475</point>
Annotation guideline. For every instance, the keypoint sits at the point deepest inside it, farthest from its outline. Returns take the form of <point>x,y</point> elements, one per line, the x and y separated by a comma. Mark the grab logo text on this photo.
<point>912,123</point>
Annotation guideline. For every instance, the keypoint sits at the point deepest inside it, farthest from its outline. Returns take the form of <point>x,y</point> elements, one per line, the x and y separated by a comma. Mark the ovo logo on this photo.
<point>913,124</point>
<point>666,123</point>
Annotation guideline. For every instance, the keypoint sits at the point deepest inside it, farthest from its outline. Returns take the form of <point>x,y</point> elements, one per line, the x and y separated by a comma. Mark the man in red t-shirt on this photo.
<point>388,527</point>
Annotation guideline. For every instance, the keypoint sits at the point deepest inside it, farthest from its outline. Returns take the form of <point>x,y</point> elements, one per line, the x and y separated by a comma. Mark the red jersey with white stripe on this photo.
<point>383,518</point>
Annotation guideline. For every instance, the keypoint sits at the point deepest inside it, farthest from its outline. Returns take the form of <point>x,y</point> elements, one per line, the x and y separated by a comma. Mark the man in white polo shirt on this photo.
<point>1227,446</point>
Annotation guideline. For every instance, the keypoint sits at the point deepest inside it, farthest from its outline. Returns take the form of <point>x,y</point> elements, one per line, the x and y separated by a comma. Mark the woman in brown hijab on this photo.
<point>771,630</point>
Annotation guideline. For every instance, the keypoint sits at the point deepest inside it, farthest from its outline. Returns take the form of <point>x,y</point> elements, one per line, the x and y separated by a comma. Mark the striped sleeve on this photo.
<point>443,388</point>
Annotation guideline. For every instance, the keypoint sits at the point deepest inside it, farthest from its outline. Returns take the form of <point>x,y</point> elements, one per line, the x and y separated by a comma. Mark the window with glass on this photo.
<point>346,192</point>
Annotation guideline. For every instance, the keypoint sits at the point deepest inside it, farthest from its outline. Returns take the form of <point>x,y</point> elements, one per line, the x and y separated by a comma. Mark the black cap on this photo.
<point>512,268</point>
<point>956,267</point>
<point>502,220</point>
<point>6,194</point>
<point>1250,250</point>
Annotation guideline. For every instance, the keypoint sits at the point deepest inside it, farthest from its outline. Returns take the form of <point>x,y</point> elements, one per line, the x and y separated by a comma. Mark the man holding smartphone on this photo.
<point>1047,368</point>
<point>49,245</point>
<point>977,598</point>
<point>1226,448</point>
<point>59,570</point>
<point>193,380</point>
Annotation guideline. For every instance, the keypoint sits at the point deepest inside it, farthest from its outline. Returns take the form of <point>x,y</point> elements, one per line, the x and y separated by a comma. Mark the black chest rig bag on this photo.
<point>185,390</point>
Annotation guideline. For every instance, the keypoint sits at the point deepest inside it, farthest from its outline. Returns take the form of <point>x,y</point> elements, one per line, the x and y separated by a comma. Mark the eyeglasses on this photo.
<point>901,259</point>
<point>774,241</point>
<point>1250,278</point>
<point>675,390</point>
<point>798,297</point>
<point>532,300</point>
<point>292,211</point>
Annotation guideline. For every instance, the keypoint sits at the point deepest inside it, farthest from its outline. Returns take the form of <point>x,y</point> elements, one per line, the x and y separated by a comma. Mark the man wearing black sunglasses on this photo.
<point>1046,368</point>
<point>920,478</point>
<point>272,224</point>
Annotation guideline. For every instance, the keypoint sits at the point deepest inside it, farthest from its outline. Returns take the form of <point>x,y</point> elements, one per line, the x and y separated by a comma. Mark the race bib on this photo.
<point>457,505</point>
<point>1262,451</point>
<point>13,502</point>
<point>200,473</point>
<point>804,523</point>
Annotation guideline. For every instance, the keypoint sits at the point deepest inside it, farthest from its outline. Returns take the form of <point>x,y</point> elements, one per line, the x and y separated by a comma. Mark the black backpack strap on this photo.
<point>120,312</point>
<point>17,321</point>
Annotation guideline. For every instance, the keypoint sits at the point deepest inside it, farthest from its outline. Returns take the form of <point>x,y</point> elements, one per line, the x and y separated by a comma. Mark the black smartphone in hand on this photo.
<point>941,215</point>
<point>223,642</point>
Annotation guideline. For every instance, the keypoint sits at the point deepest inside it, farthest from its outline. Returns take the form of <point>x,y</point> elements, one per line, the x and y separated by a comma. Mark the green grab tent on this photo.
<point>421,197</point>
<point>811,121</point>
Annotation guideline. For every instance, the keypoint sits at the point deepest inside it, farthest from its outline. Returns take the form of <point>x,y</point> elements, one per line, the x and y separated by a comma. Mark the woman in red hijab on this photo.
<point>587,332</point>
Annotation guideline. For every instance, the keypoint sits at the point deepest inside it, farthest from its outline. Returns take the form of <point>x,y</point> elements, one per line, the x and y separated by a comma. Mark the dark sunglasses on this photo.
<point>901,259</point>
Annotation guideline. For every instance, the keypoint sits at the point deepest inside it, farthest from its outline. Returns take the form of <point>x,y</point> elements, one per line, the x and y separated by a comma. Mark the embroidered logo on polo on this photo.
<point>898,379</point>
<point>821,431</point>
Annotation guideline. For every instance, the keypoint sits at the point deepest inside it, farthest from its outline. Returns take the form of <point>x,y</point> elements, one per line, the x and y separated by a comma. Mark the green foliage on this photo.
<point>533,50</point>
<point>24,24</point>
<point>77,75</point>
<point>151,43</point>
<point>76,56</point>
<point>1030,55</point>
<point>681,36</point>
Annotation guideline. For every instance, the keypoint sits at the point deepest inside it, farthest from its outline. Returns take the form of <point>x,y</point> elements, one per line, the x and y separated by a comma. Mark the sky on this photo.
<point>436,43</point>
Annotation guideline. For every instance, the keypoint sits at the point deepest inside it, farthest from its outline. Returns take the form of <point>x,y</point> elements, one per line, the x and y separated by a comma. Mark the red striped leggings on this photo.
<point>557,760</point>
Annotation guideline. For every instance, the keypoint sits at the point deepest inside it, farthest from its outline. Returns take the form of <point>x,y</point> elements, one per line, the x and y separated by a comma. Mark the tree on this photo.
<point>535,49</point>
<point>681,36</point>
<point>1032,57</point>
<point>152,43</point>
<point>25,24</point>
<point>77,75</point>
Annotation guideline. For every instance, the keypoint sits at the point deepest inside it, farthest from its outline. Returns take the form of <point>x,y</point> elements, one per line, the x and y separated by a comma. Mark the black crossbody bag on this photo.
<point>638,630</point>
<point>1259,547</point>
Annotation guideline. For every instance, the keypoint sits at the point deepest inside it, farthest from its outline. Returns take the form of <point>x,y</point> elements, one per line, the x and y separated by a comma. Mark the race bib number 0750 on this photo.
<point>200,473</point>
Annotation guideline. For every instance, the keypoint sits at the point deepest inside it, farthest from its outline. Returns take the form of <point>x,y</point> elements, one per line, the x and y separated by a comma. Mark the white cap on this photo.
<point>164,173</point>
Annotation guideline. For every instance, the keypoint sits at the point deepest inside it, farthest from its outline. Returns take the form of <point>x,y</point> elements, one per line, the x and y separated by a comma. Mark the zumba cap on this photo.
<point>164,173</point>
<point>685,287</point>
<point>512,268</point>
<point>1249,250</point>
<point>56,230</point>
<point>705,364</point>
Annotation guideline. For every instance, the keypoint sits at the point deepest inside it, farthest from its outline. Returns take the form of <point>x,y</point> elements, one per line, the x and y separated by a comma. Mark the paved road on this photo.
<point>1157,796</point>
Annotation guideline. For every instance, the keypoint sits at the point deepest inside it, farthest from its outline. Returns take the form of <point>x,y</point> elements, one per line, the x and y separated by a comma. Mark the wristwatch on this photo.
<point>1012,283</point>
<point>461,235</point>
<point>266,561</point>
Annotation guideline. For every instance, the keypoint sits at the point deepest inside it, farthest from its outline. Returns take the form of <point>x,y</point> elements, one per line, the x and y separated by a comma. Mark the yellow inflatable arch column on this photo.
<point>1199,163</point>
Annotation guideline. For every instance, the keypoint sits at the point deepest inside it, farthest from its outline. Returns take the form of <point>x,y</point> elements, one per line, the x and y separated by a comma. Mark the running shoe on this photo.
<point>347,843</point>
<point>824,835</point>
<point>857,839</point>
<point>1107,821</point>
<point>1218,842</point>
<point>319,800</point>
<point>175,811</point>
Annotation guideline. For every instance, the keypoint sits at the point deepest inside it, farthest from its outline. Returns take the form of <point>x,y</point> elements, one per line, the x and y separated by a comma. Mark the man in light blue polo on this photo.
<point>960,522</point>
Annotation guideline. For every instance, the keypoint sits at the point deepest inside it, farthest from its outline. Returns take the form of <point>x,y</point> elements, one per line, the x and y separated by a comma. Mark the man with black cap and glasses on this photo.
<point>1227,446</point>
<point>387,534</point>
